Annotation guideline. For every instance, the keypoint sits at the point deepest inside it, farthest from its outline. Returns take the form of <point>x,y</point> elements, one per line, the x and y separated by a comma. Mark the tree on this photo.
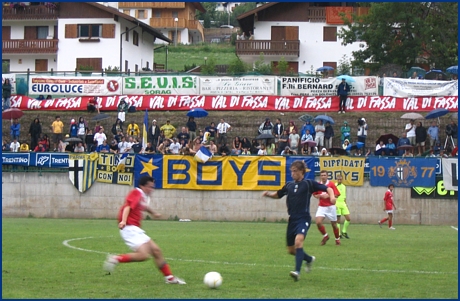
<point>405,33</point>
<point>237,67</point>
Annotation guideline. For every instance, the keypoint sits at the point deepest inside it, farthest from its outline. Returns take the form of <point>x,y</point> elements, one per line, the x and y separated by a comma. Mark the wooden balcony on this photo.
<point>278,48</point>
<point>34,12</point>
<point>167,23</point>
<point>151,4</point>
<point>29,46</point>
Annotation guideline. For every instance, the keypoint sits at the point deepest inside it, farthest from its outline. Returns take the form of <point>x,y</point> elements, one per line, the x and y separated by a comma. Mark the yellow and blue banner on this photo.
<point>351,169</point>
<point>402,172</point>
<point>82,170</point>
<point>145,129</point>
<point>115,169</point>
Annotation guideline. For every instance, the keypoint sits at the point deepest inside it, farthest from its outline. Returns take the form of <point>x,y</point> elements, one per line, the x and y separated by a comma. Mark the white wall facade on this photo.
<point>312,48</point>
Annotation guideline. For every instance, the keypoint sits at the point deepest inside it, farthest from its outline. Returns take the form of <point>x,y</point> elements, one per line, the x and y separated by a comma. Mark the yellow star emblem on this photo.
<point>148,167</point>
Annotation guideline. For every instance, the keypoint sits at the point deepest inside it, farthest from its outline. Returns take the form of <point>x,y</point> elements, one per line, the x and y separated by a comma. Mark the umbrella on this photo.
<point>385,138</point>
<point>412,116</point>
<point>420,71</point>
<point>73,139</point>
<point>12,113</point>
<point>325,119</point>
<point>436,113</point>
<point>306,118</point>
<point>347,78</point>
<point>356,145</point>
<point>434,73</point>
<point>101,116</point>
<point>265,137</point>
<point>197,113</point>
<point>452,70</point>
<point>404,147</point>
<point>325,68</point>
<point>310,143</point>
<point>337,151</point>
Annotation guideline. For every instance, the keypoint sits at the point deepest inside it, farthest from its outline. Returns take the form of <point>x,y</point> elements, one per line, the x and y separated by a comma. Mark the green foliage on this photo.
<point>282,66</point>
<point>209,68</point>
<point>189,67</point>
<point>251,257</point>
<point>222,18</point>
<point>237,66</point>
<point>5,66</point>
<point>86,68</point>
<point>113,69</point>
<point>405,33</point>
<point>344,66</point>
<point>263,68</point>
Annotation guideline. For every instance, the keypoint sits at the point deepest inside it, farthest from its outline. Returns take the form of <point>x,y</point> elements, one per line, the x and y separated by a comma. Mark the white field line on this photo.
<point>454,228</point>
<point>66,243</point>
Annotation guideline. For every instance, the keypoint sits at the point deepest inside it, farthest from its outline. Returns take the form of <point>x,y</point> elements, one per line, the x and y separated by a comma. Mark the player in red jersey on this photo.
<point>129,223</point>
<point>327,209</point>
<point>388,206</point>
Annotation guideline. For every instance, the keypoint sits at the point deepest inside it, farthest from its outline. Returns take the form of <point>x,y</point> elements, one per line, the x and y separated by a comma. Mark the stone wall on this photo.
<point>51,195</point>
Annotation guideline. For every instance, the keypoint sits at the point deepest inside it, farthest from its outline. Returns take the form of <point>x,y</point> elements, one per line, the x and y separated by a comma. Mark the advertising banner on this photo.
<point>74,86</point>
<point>245,85</point>
<point>160,85</point>
<point>111,170</point>
<point>301,104</point>
<point>439,191</point>
<point>400,87</point>
<point>351,169</point>
<point>49,160</point>
<point>313,86</point>
<point>402,172</point>
<point>450,173</point>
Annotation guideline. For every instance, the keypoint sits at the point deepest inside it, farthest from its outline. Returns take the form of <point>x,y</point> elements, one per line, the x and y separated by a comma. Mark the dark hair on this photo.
<point>145,179</point>
<point>391,185</point>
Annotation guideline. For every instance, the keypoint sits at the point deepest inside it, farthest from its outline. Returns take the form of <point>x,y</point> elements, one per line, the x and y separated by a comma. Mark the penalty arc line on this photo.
<point>454,228</point>
<point>66,243</point>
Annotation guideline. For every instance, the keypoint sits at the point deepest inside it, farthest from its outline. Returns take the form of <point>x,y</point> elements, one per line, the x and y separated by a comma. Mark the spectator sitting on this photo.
<point>113,146</point>
<point>92,105</point>
<point>390,148</point>
<point>286,152</point>
<point>245,151</point>
<point>24,147</point>
<point>407,153</point>
<point>69,148</point>
<point>79,148</point>
<point>41,97</point>
<point>49,97</point>
<point>137,146</point>
<point>315,152</point>
<point>262,151</point>
<point>254,147</point>
<point>103,148</point>
<point>5,146</point>
<point>324,152</point>
<point>149,149</point>
<point>224,150</point>
<point>437,148</point>
<point>39,147</point>
<point>380,148</point>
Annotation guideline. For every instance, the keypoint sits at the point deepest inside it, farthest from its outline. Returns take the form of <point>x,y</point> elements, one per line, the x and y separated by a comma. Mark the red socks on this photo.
<point>322,229</point>
<point>165,269</point>
<point>336,233</point>
<point>123,258</point>
<point>384,220</point>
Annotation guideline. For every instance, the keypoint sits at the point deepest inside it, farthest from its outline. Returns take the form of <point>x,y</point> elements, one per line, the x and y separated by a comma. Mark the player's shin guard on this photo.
<point>345,226</point>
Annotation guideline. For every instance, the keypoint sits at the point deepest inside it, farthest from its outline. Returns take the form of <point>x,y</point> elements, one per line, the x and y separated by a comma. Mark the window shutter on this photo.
<point>108,31</point>
<point>71,31</point>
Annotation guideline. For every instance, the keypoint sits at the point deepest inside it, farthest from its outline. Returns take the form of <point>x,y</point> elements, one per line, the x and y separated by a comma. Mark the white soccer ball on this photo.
<point>213,279</point>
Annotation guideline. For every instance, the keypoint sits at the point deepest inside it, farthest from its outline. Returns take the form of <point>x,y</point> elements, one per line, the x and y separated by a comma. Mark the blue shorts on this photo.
<point>297,226</point>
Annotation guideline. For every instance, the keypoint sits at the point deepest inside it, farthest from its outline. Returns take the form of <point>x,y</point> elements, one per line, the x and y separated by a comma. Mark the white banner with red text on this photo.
<point>312,86</point>
<point>239,103</point>
<point>74,86</point>
<point>400,87</point>
<point>245,85</point>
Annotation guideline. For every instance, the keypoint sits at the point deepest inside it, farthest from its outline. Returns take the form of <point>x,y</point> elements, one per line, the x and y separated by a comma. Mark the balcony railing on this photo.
<point>255,47</point>
<point>162,5</point>
<point>29,46</point>
<point>34,12</point>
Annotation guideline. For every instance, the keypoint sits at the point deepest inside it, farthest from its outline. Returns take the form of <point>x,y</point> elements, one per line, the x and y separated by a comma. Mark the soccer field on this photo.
<point>60,258</point>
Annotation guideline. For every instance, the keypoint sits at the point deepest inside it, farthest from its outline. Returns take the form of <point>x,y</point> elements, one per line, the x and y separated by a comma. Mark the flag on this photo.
<point>203,155</point>
<point>146,127</point>
<point>82,170</point>
<point>122,162</point>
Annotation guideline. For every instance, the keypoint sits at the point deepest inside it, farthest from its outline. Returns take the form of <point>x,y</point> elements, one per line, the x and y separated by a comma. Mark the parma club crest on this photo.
<point>402,174</point>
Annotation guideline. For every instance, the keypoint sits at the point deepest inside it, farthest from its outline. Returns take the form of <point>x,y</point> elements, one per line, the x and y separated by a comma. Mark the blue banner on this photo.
<point>402,172</point>
<point>50,160</point>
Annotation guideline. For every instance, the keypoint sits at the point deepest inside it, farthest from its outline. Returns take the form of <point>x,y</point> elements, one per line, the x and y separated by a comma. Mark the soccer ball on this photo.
<point>213,279</point>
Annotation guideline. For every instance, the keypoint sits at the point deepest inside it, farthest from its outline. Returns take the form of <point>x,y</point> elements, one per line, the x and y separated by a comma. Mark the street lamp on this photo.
<point>175,40</point>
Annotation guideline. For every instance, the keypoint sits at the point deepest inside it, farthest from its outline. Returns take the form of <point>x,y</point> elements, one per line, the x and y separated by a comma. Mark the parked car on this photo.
<point>226,26</point>
<point>216,40</point>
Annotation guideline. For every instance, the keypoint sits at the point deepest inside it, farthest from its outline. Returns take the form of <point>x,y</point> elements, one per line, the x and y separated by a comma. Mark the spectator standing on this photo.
<point>123,146</point>
<point>222,130</point>
<point>73,130</point>
<point>420,138</point>
<point>266,127</point>
<point>15,129</point>
<point>117,127</point>
<point>35,130</point>
<point>451,131</point>
<point>292,127</point>
<point>14,146</point>
<point>401,142</point>
<point>342,91</point>
<point>122,109</point>
<point>410,132</point>
<point>283,141</point>
<point>319,138</point>
<point>168,129</point>
<point>191,127</point>
<point>277,132</point>
<point>362,131</point>
<point>82,128</point>
<point>433,133</point>
<point>89,140</point>
<point>149,149</point>
<point>57,128</point>
<point>133,130</point>
<point>212,130</point>
<point>6,93</point>
<point>345,131</point>
<point>100,137</point>
<point>310,127</point>
<point>294,141</point>
<point>154,134</point>
<point>183,135</point>
<point>328,135</point>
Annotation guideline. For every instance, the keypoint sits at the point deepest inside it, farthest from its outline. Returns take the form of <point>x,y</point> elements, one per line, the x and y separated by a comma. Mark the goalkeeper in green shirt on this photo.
<point>342,208</point>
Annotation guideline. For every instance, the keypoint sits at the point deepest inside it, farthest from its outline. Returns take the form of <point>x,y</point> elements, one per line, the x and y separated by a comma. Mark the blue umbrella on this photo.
<point>325,119</point>
<point>325,68</point>
<point>436,113</point>
<point>356,145</point>
<point>434,73</point>
<point>197,113</point>
<point>452,69</point>
<point>347,78</point>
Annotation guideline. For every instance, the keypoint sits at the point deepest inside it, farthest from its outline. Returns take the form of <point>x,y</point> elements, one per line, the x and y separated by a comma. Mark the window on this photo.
<point>157,13</point>
<point>329,34</point>
<point>126,34</point>
<point>135,38</point>
<point>89,30</point>
<point>141,14</point>
<point>175,14</point>
<point>42,32</point>
<point>126,12</point>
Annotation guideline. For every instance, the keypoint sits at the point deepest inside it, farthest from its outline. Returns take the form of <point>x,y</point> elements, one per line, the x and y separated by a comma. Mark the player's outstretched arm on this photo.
<point>330,191</point>
<point>272,194</point>
<point>152,213</point>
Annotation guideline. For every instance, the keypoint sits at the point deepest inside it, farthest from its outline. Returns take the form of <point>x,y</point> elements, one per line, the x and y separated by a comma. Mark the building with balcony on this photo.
<point>303,33</point>
<point>176,20</point>
<point>65,36</point>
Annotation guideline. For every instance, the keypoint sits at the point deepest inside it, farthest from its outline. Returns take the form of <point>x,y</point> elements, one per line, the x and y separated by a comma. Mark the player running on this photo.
<point>388,206</point>
<point>298,197</point>
<point>342,207</point>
